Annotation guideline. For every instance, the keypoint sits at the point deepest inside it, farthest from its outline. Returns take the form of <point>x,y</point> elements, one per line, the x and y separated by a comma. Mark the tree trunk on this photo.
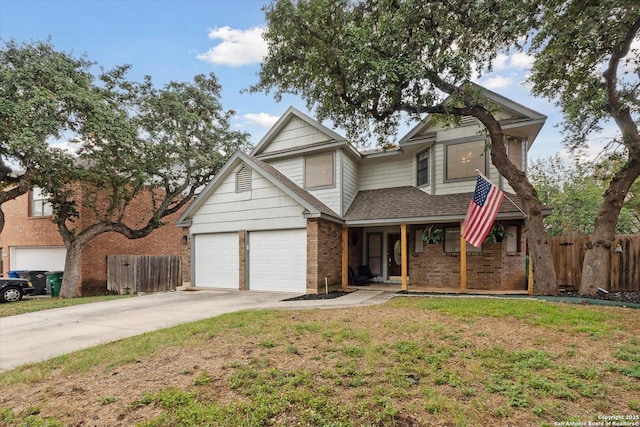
<point>71,284</point>
<point>595,269</point>
<point>544,274</point>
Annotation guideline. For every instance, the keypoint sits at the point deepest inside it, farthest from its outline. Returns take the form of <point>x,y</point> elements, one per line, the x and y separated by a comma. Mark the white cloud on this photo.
<point>237,48</point>
<point>497,82</point>
<point>521,60</point>
<point>500,63</point>
<point>261,119</point>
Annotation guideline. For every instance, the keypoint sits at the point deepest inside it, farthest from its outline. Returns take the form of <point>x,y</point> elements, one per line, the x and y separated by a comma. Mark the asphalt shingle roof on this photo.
<point>411,202</point>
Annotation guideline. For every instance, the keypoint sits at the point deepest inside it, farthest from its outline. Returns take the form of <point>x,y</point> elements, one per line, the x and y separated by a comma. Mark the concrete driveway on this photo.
<point>38,336</point>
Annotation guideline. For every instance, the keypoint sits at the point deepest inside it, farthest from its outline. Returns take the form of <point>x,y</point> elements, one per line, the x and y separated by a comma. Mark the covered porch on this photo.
<point>399,259</point>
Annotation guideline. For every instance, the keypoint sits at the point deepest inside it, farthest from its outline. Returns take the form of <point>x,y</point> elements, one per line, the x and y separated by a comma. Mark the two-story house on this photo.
<point>305,205</point>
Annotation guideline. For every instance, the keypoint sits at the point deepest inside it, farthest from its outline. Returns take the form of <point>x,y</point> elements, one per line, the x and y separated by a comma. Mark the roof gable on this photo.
<point>311,204</point>
<point>511,115</point>
<point>293,131</point>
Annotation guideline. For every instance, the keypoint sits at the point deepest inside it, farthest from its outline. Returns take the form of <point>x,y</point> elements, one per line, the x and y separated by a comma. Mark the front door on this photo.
<point>394,255</point>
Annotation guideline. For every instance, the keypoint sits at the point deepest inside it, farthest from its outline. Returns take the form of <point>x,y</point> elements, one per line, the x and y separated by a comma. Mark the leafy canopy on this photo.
<point>44,95</point>
<point>587,59</point>
<point>575,193</point>
<point>366,64</point>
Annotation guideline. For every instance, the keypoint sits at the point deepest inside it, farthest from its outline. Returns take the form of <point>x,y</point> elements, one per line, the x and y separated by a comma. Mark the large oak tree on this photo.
<point>133,142</point>
<point>369,65</point>
<point>587,58</point>
<point>43,94</point>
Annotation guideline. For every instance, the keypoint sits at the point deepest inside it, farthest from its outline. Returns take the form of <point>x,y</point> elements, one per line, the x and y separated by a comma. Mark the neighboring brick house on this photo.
<point>30,241</point>
<point>305,206</point>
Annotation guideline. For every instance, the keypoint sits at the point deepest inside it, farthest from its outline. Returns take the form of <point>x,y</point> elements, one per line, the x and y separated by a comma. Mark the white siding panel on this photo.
<point>292,168</point>
<point>264,207</point>
<point>296,133</point>
<point>217,260</point>
<point>349,181</point>
<point>278,260</point>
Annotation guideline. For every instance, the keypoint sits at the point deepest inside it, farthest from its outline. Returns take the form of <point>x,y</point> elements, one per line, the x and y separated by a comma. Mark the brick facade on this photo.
<point>491,269</point>
<point>23,231</point>
<point>324,256</point>
<point>186,256</point>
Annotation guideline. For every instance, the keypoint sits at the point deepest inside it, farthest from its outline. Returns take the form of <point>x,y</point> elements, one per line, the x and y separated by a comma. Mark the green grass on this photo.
<point>29,305</point>
<point>410,361</point>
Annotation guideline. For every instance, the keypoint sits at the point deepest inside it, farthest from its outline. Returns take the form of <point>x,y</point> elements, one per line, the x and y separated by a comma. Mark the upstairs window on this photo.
<point>515,151</point>
<point>318,171</point>
<point>464,158</point>
<point>423,168</point>
<point>39,204</point>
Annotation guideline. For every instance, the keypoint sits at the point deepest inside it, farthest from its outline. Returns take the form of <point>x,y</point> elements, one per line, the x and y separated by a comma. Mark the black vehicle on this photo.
<point>12,290</point>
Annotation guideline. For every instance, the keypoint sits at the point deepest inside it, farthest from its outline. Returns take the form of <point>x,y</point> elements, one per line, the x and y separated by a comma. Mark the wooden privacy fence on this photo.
<point>624,268</point>
<point>143,273</point>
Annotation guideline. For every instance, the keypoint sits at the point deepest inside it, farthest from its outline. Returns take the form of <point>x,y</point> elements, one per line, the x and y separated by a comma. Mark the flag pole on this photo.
<point>505,195</point>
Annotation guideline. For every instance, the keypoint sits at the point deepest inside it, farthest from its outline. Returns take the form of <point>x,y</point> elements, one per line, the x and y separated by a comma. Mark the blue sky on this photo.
<point>177,39</point>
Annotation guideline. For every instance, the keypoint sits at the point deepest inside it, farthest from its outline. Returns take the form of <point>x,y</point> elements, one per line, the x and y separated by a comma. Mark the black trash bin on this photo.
<point>37,278</point>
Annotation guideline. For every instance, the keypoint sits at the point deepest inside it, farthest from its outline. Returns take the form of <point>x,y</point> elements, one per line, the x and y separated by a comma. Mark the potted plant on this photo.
<point>432,234</point>
<point>498,233</point>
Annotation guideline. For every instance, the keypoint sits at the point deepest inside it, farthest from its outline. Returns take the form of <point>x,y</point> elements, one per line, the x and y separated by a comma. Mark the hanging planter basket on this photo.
<point>433,235</point>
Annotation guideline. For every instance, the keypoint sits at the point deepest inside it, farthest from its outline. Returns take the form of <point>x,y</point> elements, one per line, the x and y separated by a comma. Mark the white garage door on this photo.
<point>49,258</point>
<point>278,260</point>
<point>217,260</point>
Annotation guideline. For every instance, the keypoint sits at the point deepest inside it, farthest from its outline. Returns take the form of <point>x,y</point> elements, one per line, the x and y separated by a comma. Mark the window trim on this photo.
<point>379,255</point>
<point>509,144</point>
<point>470,248</point>
<point>43,202</point>
<point>428,168</point>
<point>333,172</point>
<point>517,238</point>
<point>466,140</point>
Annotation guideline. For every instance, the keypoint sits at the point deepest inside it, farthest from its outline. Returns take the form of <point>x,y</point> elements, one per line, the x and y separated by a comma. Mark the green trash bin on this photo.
<point>54,278</point>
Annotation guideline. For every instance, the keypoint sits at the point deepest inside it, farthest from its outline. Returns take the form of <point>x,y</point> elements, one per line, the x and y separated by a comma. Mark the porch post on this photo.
<point>463,262</point>
<point>345,257</point>
<point>403,243</point>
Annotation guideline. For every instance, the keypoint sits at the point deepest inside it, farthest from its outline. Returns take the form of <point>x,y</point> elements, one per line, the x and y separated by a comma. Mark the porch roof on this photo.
<point>412,205</point>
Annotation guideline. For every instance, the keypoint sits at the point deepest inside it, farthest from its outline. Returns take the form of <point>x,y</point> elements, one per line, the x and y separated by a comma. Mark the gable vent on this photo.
<point>243,179</point>
<point>467,120</point>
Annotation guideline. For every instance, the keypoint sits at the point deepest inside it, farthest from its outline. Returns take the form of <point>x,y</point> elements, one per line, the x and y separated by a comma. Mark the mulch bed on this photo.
<point>611,296</point>
<point>311,297</point>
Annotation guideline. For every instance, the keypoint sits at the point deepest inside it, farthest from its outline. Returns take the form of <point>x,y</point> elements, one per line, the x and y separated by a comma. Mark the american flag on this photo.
<point>483,209</point>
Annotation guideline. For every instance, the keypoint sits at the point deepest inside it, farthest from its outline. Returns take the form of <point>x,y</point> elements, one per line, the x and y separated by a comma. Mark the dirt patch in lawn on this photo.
<point>404,363</point>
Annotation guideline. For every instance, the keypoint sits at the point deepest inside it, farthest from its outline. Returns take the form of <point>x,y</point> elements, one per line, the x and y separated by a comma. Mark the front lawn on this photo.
<point>31,304</point>
<point>410,362</point>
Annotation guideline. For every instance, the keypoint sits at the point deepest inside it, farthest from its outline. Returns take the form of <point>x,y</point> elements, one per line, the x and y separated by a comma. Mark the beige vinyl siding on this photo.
<point>264,207</point>
<point>349,181</point>
<point>296,133</point>
<point>293,168</point>
<point>386,172</point>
